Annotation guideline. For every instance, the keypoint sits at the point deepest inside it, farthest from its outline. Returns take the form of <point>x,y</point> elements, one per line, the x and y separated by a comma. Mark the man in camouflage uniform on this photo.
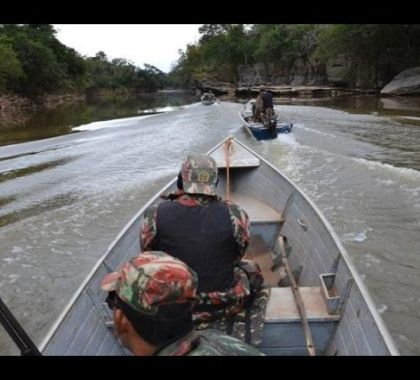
<point>211,95</point>
<point>264,108</point>
<point>152,296</point>
<point>211,236</point>
<point>208,95</point>
<point>258,106</point>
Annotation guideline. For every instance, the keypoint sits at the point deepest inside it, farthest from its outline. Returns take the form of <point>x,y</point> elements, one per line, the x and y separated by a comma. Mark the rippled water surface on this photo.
<point>64,199</point>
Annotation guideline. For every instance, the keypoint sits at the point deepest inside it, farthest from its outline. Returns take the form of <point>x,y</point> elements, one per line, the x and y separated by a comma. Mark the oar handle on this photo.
<point>228,144</point>
<point>298,299</point>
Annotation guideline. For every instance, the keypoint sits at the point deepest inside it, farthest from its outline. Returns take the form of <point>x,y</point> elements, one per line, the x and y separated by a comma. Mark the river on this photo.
<point>65,198</point>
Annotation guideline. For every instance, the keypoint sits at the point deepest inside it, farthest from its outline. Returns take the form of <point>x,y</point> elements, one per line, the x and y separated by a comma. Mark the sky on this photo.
<point>155,44</point>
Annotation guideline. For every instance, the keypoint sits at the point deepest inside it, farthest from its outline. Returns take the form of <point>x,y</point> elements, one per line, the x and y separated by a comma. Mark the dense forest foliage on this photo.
<point>34,62</point>
<point>223,47</point>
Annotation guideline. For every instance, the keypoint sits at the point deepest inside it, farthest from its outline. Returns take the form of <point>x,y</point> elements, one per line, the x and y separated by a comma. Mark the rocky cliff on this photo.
<point>341,72</point>
<point>308,78</point>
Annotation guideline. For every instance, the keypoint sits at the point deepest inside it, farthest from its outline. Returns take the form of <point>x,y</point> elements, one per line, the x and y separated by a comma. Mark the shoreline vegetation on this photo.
<point>290,60</point>
<point>37,70</point>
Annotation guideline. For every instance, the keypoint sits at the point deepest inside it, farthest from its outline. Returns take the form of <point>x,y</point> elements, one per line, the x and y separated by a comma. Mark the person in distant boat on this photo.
<point>258,107</point>
<point>210,235</point>
<point>151,298</point>
<point>267,100</point>
<point>265,108</point>
<point>208,95</point>
<point>211,95</point>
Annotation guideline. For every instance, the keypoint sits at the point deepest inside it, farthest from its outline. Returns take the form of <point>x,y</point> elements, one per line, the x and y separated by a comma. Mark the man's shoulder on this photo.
<point>151,209</point>
<point>234,208</point>
<point>229,203</point>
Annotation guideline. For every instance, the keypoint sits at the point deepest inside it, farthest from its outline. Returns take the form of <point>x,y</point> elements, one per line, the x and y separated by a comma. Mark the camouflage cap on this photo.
<point>152,279</point>
<point>199,174</point>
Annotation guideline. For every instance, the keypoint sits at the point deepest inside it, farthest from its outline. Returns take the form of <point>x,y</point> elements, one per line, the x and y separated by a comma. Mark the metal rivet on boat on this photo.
<point>302,224</point>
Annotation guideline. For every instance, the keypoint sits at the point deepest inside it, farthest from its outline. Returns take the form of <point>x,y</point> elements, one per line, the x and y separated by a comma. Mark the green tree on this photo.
<point>209,31</point>
<point>34,62</point>
<point>373,43</point>
<point>10,67</point>
<point>47,65</point>
<point>283,42</point>
<point>387,49</point>
<point>42,71</point>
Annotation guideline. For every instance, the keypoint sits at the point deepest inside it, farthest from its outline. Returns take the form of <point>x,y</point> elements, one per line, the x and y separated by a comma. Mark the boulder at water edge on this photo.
<point>405,83</point>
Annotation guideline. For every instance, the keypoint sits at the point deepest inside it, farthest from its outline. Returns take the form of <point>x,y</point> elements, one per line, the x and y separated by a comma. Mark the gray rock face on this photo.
<point>219,88</point>
<point>299,73</point>
<point>339,71</point>
<point>405,83</point>
<point>253,75</point>
<point>408,73</point>
<point>246,75</point>
<point>272,74</point>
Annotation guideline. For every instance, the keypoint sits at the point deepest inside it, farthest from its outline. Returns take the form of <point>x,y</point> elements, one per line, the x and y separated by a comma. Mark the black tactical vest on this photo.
<point>202,237</point>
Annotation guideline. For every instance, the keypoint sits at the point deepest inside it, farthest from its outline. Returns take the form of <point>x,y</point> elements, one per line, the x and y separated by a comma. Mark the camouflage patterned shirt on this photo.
<point>239,218</point>
<point>208,343</point>
<point>234,298</point>
<point>259,106</point>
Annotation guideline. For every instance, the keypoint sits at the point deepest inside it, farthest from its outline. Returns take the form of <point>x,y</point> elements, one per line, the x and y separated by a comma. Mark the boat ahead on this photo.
<point>207,100</point>
<point>258,129</point>
<point>317,303</point>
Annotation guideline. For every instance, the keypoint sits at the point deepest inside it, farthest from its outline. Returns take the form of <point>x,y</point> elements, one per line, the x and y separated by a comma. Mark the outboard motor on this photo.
<point>270,122</point>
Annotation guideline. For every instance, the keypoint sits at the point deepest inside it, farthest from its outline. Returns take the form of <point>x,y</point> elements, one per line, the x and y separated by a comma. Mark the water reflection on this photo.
<point>360,104</point>
<point>62,120</point>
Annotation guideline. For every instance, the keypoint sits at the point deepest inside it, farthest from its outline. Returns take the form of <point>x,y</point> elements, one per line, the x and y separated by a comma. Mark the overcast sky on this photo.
<point>155,44</point>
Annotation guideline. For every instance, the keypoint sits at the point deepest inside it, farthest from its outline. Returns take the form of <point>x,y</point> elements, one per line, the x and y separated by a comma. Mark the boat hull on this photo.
<point>258,130</point>
<point>316,256</point>
<point>207,102</point>
<point>262,133</point>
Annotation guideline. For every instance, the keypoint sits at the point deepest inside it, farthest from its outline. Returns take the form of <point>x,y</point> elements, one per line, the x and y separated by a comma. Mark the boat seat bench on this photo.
<point>258,211</point>
<point>265,220</point>
<point>283,330</point>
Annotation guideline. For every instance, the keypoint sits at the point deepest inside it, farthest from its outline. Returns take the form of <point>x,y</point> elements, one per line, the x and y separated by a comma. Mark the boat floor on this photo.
<point>281,306</point>
<point>259,252</point>
<point>259,212</point>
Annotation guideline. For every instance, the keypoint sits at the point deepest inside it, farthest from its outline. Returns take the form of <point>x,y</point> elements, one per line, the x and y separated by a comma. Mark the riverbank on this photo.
<point>16,110</point>
<point>60,116</point>
<point>227,91</point>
